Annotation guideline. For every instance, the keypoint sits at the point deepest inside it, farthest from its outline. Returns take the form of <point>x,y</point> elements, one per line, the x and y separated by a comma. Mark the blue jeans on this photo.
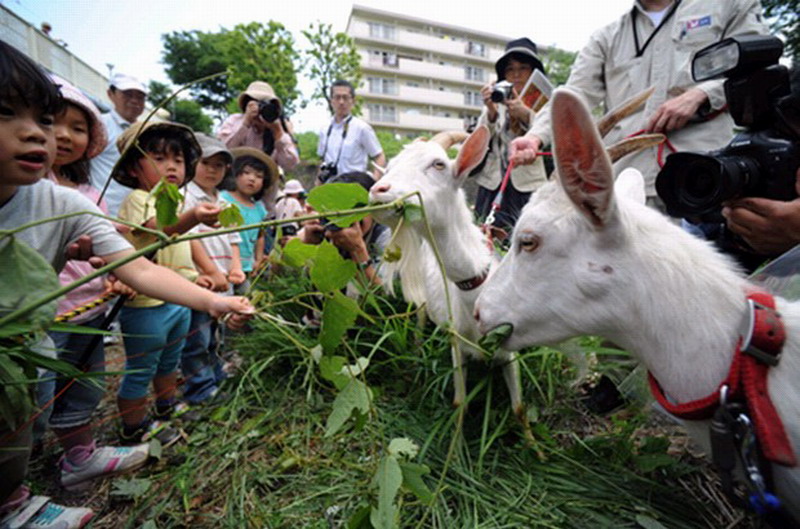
<point>200,364</point>
<point>75,406</point>
<point>154,338</point>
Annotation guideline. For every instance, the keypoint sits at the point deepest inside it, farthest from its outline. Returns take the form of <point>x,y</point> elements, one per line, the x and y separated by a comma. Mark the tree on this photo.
<point>557,64</point>
<point>785,15</point>
<point>248,52</point>
<point>331,56</point>
<point>184,111</point>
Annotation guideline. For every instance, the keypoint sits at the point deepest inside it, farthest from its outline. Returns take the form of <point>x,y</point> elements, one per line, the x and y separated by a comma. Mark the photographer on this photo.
<point>346,143</point>
<point>262,125</point>
<point>363,242</point>
<point>507,119</point>
<point>652,45</point>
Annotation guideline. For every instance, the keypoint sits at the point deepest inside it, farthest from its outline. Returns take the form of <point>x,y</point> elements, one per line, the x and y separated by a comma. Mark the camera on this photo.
<point>327,170</point>
<point>501,91</point>
<point>269,110</point>
<point>289,230</point>
<point>759,162</point>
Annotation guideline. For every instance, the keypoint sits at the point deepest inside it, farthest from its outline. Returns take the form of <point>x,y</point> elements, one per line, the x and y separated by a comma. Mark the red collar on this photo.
<point>747,380</point>
<point>474,282</point>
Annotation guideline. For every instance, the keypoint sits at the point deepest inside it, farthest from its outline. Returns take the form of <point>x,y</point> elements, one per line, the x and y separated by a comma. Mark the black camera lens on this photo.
<point>269,110</point>
<point>693,184</point>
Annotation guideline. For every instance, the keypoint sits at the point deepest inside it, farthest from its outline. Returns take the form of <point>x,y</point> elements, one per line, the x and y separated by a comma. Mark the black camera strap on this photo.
<point>640,50</point>
<point>328,137</point>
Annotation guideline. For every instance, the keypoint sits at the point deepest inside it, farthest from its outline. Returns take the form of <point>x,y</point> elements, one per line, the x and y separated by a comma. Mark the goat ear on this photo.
<point>472,152</point>
<point>583,166</point>
<point>630,184</point>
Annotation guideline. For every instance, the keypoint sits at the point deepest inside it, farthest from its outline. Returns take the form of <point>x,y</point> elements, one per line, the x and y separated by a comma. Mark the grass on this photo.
<point>262,458</point>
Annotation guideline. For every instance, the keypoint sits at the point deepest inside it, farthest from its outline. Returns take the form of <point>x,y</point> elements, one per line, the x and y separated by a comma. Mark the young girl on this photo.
<point>253,172</point>
<point>218,258</point>
<point>80,136</point>
<point>153,331</point>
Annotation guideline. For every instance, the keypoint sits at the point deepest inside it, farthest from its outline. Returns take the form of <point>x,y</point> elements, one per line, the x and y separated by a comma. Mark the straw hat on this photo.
<point>260,91</point>
<point>260,155</point>
<point>191,149</point>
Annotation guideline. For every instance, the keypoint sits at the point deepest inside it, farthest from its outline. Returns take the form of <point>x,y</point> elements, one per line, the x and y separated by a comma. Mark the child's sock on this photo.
<point>165,408</point>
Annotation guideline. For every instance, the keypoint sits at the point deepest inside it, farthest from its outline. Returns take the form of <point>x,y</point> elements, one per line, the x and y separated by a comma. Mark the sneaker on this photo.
<point>104,461</point>
<point>186,412</point>
<point>149,430</point>
<point>38,512</point>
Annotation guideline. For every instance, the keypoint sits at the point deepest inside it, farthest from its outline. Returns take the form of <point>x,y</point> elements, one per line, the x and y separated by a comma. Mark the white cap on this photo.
<point>123,82</point>
<point>293,186</point>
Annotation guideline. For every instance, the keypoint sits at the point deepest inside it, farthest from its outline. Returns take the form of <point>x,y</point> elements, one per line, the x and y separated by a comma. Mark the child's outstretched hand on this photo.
<point>236,276</point>
<point>239,308</point>
<point>207,213</point>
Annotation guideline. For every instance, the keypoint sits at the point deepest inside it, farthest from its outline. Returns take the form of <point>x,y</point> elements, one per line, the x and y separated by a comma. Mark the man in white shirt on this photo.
<point>347,142</point>
<point>653,45</point>
<point>127,95</point>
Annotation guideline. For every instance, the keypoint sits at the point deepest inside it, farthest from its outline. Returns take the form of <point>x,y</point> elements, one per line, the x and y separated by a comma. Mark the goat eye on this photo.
<point>528,241</point>
<point>439,165</point>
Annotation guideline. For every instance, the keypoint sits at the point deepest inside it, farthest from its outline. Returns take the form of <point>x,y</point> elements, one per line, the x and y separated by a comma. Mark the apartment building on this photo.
<point>419,75</point>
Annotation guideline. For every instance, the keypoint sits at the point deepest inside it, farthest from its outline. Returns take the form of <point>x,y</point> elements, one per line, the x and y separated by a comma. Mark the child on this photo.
<point>153,331</point>
<point>218,258</point>
<point>250,168</point>
<point>80,135</point>
<point>28,103</point>
<point>290,205</point>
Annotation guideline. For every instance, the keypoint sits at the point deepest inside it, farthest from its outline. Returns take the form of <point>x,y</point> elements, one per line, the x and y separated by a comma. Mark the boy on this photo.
<point>28,103</point>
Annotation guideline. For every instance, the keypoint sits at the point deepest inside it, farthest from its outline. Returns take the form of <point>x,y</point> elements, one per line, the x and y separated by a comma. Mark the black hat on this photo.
<point>522,50</point>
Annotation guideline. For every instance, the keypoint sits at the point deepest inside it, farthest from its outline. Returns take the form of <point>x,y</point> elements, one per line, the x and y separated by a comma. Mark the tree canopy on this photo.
<point>330,56</point>
<point>248,52</point>
<point>785,15</point>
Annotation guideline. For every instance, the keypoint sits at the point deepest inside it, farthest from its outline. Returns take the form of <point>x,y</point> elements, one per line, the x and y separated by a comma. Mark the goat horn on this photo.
<point>634,144</point>
<point>448,138</point>
<point>624,110</point>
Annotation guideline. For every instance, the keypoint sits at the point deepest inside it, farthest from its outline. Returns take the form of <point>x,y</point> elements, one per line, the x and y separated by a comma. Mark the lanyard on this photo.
<point>328,137</point>
<point>640,50</point>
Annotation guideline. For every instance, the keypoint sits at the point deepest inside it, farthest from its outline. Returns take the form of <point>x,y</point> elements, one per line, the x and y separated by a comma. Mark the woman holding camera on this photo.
<point>507,119</point>
<point>261,125</point>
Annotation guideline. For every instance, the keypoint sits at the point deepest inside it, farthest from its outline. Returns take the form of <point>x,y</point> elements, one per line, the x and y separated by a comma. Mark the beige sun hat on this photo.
<point>142,129</point>
<point>274,173</point>
<point>260,91</point>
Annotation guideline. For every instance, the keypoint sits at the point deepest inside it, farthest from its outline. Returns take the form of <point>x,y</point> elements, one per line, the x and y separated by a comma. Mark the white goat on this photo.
<point>588,257</point>
<point>425,168</point>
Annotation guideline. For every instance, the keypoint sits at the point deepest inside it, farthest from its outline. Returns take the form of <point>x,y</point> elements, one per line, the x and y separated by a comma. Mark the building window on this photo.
<point>381,31</point>
<point>473,98</point>
<point>382,113</point>
<point>473,73</point>
<point>385,58</point>
<point>476,48</point>
<point>378,85</point>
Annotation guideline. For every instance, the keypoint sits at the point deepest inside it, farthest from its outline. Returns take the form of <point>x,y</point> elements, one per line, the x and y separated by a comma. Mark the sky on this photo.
<point>128,33</point>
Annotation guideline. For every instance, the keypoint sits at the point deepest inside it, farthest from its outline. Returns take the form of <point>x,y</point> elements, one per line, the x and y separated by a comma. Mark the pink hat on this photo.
<point>97,131</point>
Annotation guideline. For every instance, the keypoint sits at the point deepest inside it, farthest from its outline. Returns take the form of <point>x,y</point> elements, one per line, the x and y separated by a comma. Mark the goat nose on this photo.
<point>381,188</point>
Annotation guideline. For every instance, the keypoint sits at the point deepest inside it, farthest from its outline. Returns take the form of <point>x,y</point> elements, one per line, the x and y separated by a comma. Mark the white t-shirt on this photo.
<point>218,248</point>
<point>360,143</point>
<point>45,199</point>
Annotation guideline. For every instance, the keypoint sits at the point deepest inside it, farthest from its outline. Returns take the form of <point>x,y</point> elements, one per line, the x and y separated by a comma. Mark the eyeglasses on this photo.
<point>342,97</point>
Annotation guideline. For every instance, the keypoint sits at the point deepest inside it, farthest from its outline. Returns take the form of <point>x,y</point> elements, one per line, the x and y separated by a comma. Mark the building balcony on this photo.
<point>413,121</point>
<point>421,96</point>
<point>427,43</point>
<point>420,69</point>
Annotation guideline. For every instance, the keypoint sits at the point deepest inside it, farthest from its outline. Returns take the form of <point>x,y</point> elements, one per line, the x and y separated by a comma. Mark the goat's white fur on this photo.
<point>425,167</point>
<point>627,273</point>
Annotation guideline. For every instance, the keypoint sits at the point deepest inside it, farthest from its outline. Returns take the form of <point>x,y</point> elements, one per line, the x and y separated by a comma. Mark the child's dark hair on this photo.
<point>23,82</point>
<point>160,140</point>
<point>239,165</point>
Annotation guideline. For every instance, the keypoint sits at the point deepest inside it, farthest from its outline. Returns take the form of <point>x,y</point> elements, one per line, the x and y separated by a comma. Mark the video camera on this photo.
<point>759,162</point>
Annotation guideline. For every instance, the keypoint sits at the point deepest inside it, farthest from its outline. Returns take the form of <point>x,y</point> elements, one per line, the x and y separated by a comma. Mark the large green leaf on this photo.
<point>231,215</point>
<point>168,198</point>
<point>297,253</point>
<point>339,313</point>
<point>330,368</point>
<point>388,480</point>
<point>412,480</point>
<point>354,397</point>
<point>331,271</point>
<point>16,402</point>
<point>336,197</point>
<point>27,276</point>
